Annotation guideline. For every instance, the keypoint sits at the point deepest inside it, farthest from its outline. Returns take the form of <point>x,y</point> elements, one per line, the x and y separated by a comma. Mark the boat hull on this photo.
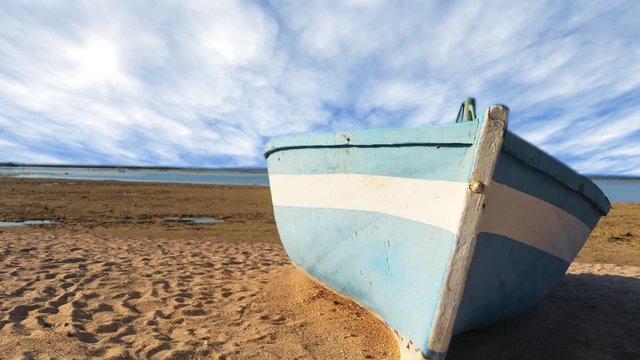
<point>389,220</point>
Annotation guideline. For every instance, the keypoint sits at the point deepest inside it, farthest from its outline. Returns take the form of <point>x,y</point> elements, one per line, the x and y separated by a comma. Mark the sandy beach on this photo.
<point>114,279</point>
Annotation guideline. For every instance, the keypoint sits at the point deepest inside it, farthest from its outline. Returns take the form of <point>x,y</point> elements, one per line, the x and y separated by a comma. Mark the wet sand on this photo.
<point>115,280</point>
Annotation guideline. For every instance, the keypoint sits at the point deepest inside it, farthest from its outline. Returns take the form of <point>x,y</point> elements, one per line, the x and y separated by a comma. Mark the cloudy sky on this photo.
<point>206,83</point>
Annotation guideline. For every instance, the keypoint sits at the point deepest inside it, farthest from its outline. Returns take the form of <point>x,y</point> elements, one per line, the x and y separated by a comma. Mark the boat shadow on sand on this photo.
<point>587,316</point>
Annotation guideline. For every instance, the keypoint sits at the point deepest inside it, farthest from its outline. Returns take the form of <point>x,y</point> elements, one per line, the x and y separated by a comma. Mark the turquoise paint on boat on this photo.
<point>494,290</point>
<point>397,273</point>
<point>408,223</point>
<point>548,165</point>
<point>515,173</point>
<point>418,162</point>
<point>443,153</point>
<point>462,134</point>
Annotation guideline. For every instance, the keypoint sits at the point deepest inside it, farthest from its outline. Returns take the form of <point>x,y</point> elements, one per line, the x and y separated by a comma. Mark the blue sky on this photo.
<point>207,83</point>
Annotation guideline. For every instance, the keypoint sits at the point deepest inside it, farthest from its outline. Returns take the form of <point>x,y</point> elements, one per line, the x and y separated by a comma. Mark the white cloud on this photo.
<point>204,83</point>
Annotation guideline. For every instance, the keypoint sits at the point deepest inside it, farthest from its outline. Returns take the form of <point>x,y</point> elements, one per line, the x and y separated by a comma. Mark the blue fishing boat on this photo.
<point>434,230</point>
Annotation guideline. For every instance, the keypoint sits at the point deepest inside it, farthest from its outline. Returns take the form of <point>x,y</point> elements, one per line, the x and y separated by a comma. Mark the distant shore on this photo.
<point>134,167</point>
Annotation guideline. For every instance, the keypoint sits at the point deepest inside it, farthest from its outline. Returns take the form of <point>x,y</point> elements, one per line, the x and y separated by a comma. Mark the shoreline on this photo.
<point>139,209</point>
<point>132,167</point>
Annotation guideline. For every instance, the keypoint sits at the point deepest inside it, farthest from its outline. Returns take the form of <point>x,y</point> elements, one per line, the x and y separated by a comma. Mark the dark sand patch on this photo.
<point>105,208</point>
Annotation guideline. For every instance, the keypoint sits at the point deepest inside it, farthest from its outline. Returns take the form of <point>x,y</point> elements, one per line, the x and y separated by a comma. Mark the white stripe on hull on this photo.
<point>433,202</point>
<point>509,212</point>
<point>525,218</point>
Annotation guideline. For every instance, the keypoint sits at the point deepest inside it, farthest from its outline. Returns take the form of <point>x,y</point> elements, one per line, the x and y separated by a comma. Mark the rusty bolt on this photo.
<point>476,187</point>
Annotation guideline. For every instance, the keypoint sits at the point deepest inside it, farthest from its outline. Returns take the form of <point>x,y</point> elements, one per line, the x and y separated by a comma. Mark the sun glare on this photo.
<point>97,61</point>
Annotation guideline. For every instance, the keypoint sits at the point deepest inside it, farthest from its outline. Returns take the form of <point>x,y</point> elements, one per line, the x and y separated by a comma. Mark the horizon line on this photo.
<point>174,167</point>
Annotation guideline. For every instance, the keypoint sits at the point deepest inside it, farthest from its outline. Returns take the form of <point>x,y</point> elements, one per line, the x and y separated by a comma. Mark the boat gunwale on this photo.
<point>539,160</point>
<point>342,146</point>
<point>443,135</point>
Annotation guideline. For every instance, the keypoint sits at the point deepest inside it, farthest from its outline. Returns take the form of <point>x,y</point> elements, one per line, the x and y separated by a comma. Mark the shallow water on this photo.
<point>27,223</point>
<point>620,190</point>
<point>191,176</point>
<point>195,220</point>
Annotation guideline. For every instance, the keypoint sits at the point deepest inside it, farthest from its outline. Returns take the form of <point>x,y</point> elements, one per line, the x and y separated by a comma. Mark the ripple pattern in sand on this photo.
<point>114,298</point>
<point>82,296</point>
